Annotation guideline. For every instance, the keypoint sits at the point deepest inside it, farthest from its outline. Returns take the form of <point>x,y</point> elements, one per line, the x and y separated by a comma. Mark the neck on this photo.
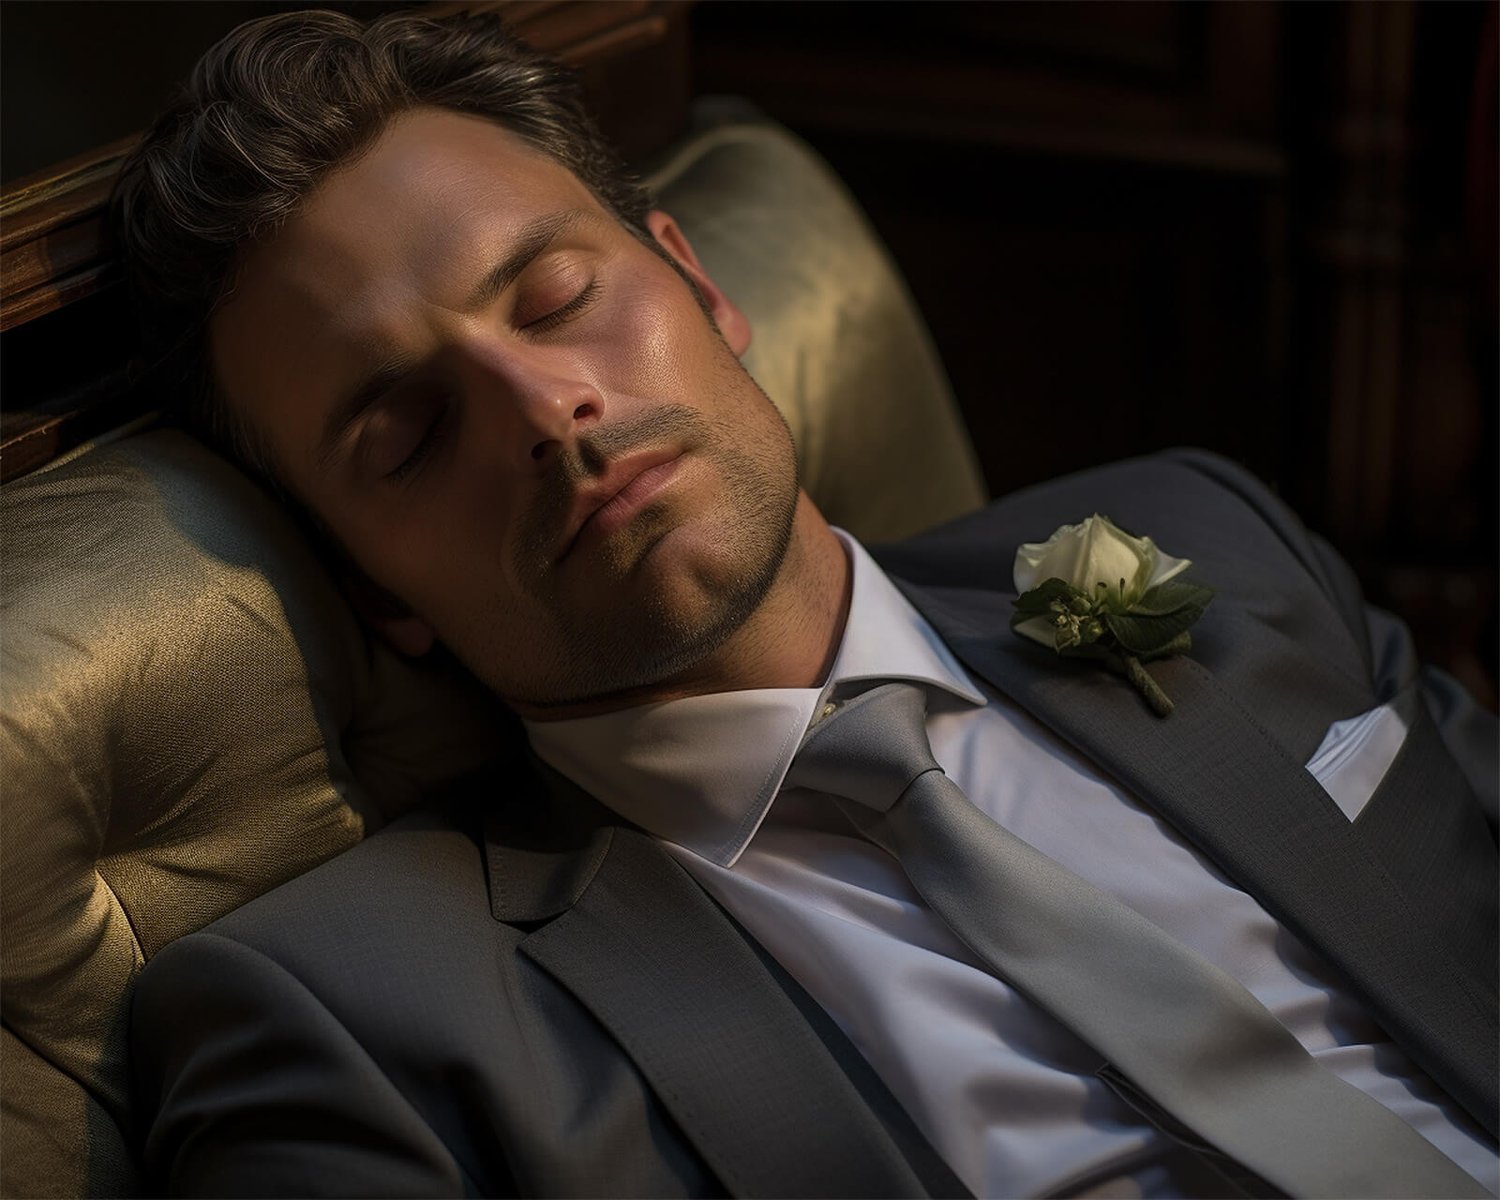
<point>790,641</point>
<point>792,638</point>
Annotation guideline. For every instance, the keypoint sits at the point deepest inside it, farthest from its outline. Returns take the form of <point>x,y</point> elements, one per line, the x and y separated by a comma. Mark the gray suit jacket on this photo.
<point>514,993</point>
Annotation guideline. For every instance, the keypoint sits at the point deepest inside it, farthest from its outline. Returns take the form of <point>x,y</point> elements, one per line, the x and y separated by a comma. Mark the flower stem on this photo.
<point>1160,704</point>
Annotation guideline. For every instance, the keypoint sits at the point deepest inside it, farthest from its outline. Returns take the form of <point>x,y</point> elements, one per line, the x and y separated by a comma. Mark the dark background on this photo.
<point>1264,228</point>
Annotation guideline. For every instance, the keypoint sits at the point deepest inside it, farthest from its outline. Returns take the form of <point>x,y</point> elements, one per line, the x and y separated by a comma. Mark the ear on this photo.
<point>402,629</point>
<point>732,323</point>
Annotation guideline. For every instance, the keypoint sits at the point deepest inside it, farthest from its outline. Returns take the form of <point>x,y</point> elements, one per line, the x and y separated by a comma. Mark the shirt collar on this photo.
<point>702,771</point>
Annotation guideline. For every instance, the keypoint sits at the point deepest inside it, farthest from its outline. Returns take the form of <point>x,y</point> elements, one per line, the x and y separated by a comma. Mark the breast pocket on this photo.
<point>1423,825</point>
<point>1356,752</point>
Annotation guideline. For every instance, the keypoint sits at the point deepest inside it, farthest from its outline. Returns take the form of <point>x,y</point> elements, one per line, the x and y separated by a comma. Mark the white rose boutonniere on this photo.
<point>1092,590</point>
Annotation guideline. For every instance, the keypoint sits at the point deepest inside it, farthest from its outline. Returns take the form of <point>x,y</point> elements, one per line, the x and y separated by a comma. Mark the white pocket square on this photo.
<point>1357,751</point>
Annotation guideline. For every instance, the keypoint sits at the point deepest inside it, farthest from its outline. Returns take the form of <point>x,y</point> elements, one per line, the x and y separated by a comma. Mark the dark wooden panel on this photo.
<point>1237,225</point>
<point>1089,201</point>
<point>1158,81</point>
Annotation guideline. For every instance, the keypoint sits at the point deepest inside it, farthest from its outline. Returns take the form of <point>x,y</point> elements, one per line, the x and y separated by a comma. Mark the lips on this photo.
<point>626,486</point>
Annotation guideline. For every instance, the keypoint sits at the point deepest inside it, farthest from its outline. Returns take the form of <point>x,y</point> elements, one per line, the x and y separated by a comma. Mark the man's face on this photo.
<point>514,416</point>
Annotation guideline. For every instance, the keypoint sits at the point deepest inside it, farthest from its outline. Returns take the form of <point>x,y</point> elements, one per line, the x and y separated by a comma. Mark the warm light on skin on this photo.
<point>450,483</point>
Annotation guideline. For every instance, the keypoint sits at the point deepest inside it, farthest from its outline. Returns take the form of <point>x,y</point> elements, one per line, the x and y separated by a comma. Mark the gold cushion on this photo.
<point>191,716</point>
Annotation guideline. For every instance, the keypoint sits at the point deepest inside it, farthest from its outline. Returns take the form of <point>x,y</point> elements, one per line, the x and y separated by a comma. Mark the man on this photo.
<point>405,287</point>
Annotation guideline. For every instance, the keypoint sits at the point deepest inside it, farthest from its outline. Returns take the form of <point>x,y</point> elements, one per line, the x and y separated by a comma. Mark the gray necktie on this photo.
<point>1180,1030</point>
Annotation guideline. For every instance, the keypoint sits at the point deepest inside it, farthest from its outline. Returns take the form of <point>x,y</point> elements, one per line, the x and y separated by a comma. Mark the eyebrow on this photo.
<point>534,238</point>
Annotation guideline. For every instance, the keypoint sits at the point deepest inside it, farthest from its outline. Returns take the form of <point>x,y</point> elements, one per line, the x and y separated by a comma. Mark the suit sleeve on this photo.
<point>257,1090</point>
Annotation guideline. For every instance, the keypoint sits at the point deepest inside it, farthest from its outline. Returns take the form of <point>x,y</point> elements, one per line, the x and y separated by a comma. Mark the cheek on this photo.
<point>427,554</point>
<point>663,337</point>
<point>478,616</point>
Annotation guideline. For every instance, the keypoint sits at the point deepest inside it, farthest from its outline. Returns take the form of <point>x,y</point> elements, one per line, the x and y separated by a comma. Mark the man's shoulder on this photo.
<point>420,876</point>
<point>1191,502</point>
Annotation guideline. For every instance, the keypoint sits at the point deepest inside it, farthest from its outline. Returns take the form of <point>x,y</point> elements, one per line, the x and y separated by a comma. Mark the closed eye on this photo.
<point>437,428</point>
<point>567,311</point>
<point>432,435</point>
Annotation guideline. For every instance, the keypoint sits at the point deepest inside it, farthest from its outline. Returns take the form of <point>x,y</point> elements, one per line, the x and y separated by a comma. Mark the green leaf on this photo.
<point>1181,644</point>
<point>1145,633</point>
<point>1171,597</point>
<point>1038,601</point>
<point>1151,626</point>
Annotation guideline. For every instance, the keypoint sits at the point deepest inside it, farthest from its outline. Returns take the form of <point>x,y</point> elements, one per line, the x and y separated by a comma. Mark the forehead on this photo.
<point>437,191</point>
<point>405,229</point>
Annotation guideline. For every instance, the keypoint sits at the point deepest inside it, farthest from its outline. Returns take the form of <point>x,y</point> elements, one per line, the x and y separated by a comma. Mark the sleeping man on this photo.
<point>818,879</point>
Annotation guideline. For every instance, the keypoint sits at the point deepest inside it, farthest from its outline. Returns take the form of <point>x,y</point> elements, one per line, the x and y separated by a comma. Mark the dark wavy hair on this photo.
<point>265,116</point>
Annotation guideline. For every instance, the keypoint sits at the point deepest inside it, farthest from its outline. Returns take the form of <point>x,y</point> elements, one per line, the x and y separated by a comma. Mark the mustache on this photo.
<point>544,522</point>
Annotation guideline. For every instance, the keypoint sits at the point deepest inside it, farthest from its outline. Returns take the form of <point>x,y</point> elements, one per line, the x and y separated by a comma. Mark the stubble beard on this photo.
<point>649,639</point>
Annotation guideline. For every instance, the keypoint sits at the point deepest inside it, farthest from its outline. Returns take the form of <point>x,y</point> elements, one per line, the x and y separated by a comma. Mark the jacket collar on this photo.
<point>624,928</point>
<point>723,1046</point>
<point>543,845</point>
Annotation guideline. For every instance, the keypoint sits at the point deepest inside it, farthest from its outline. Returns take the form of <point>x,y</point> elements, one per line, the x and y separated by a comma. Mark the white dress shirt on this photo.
<point>1004,1093</point>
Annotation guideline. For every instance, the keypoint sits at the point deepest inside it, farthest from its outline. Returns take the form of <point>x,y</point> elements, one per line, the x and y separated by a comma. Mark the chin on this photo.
<point>669,590</point>
<point>689,615</point>
<point>688,591</point>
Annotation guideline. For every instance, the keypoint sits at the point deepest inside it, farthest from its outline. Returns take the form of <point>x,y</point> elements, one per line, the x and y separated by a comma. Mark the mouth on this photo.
<point>627,486</point>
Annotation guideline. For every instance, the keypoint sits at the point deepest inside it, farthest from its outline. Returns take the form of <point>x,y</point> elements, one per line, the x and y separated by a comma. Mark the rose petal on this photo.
<point>1167,567</point>
<point>1033,556</point>
<point>1112,556</point>
<point>1096,551</point>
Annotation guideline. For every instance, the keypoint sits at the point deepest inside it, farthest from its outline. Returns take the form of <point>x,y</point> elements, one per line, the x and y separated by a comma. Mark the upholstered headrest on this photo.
<point>838,344</point>
<point>191,714</point>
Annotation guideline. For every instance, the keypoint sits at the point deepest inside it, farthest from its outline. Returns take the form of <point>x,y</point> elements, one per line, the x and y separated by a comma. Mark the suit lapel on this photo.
<point>1228,787</point>
<point>727,1052</point>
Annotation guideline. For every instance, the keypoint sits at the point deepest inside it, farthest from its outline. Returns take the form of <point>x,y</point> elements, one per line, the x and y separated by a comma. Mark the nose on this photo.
<point>536,400</point>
